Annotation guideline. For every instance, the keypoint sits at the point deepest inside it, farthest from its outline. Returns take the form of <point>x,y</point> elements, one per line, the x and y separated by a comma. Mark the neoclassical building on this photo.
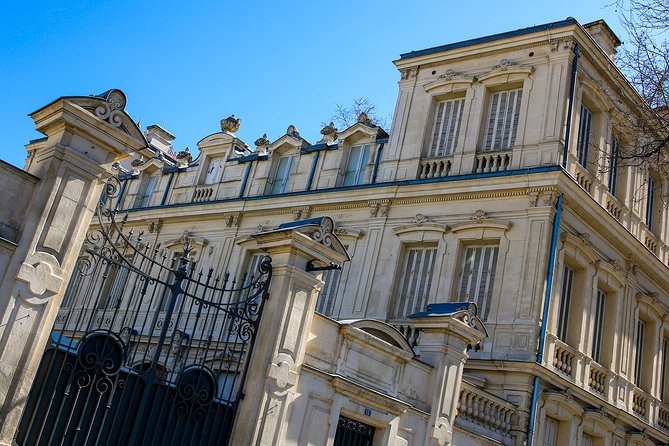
<point>499,183</point>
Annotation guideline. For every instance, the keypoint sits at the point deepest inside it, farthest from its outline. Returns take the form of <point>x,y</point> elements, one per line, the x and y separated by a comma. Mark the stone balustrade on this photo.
<point>651,241</point>
<point>492,162</point>
<point>435,167</point>
<point>584,178</point>
<point>640,400</point>
<point>613,207</point>
<point>486,410</point>
<point>203,193</point>
<point>598,378</point>
<point>663,417</point>
<point>410,333</point>
<point>563,358</point>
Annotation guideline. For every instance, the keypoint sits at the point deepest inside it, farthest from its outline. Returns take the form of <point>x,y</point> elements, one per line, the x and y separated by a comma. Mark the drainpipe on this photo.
<point>572,88</point>
<point>246,178</point>
<point>313,170</point>
<point>376,162</point>
<point>167,189</point>
<point>544,318</point>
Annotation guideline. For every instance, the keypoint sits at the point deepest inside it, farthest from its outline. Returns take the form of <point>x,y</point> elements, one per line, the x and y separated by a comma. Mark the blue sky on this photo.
<point>187,65</point>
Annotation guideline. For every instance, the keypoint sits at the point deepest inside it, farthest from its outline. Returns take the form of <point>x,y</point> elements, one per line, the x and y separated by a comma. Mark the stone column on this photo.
<point>443,344</point>
<point>84,136</point>
<point>280,343</point>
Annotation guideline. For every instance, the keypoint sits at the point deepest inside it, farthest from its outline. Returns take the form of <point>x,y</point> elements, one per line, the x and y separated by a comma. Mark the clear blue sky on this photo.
<point>187,65</point>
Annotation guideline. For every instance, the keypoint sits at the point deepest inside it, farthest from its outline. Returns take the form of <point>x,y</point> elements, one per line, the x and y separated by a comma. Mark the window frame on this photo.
<point>483,307</point>
<point>360,171</point>
<point>444,147</point>
<point>279,185</point>
<point>403,306</point>
<point>585,135</point>
<point>510,139</point>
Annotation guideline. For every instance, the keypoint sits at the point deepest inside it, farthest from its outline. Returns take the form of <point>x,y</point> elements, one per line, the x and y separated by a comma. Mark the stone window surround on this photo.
<point>476,92</point>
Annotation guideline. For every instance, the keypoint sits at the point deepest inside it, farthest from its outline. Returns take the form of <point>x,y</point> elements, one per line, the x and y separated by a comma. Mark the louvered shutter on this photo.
<point>478,276</point>
<point>446,127</point>
<point>640,341</point>
<point>328,294</point>
<point>551,426</point>
<point>614,160</point>
<point>600,307</point>
<point>416,281</point>
<point>282,175</point>
<point>502,122</point>
<point>565,302</point>
<point>584,136</point>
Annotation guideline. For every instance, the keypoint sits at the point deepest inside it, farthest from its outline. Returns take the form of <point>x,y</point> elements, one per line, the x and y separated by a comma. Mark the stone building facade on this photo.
<point>499,183</point>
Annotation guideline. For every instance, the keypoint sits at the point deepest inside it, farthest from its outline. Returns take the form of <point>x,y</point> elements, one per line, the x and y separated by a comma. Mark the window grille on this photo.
<point>478,276</point>
<point>584,136</point>
<point>446,127</point>
<point>416,281</point>
<point>282,175</point>
<point>328,294</point>
<point>565,302</point>
<point>502,122</point>
<point>600,308</point>
<point>638,362</point>
<point>355,165</point>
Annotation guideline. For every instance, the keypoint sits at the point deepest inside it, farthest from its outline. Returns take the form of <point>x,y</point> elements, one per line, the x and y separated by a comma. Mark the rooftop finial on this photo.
<point>231,124</point>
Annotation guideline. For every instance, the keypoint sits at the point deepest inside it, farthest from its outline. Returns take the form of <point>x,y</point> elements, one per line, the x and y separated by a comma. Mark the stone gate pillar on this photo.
<point>446,331</point>
<point>85,135</point>
<point>281,340</point>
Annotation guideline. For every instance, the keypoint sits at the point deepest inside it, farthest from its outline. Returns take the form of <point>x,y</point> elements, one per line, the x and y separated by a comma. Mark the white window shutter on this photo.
<point>415,282</point>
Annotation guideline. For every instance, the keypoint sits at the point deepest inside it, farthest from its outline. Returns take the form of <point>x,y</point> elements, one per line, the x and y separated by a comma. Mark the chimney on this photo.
<point>604,36</point>
<point>159,138</point>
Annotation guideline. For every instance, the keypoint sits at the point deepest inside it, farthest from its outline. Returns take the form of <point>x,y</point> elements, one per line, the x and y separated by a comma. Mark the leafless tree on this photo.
<point>345,116</point>
<point>644,58</point>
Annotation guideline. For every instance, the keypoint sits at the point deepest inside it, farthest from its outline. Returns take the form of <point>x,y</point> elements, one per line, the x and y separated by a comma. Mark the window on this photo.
<point>584,136</point>
<point>76,280</point>
<point>415,282</point>
<point>588,440</point>
<point>551,429</point>
<point>502,122</point>
<point>328,294</point>
<point>600,308</point>
<point>353,433</point>
<point>252,272</point>
<point>355,165</point>
<point>565,301</point>
<point>650,202</point>
<point>446,127</point>
<point>663,377</point>
<point>282,175</point>
<point>214,169</point>
<point>638,362</point>
<point>114,285</point>
<point>146,189</point>
<point>613,165</point>
<point>478,276</point>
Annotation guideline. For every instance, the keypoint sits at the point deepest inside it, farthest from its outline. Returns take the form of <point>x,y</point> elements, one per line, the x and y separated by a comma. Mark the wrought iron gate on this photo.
<point>147,347</point>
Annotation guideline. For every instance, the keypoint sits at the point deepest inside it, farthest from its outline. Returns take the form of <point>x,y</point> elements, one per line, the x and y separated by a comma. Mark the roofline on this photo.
<point>606,26</point>
<point>491,38</point>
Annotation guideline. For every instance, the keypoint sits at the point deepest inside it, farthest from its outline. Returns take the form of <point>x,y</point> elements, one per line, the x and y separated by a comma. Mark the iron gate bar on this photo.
<point>149,350</point>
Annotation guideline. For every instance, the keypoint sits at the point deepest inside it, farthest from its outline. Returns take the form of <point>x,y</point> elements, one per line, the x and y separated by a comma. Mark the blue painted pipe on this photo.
<point>544,318</point>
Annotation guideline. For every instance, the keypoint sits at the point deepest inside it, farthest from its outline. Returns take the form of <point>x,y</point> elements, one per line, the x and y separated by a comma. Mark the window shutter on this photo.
<point>584,135</point>
<point>502,122</point>
<point>416,281</point>
<point>478,276</point>
<point>550,431</point>
<point>613,165</point>
<point>598,325</point>
<point>638,363</point>
<point>328,294</point>
<point>565,298</point>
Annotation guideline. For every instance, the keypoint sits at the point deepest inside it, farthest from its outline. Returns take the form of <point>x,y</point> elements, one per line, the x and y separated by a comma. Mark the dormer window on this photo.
<point>146,189</point>
<point>446,127</point>
<point>355,165</point>
<point>502,122</point>
<point>213,172</point>
<point>282,175</point>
